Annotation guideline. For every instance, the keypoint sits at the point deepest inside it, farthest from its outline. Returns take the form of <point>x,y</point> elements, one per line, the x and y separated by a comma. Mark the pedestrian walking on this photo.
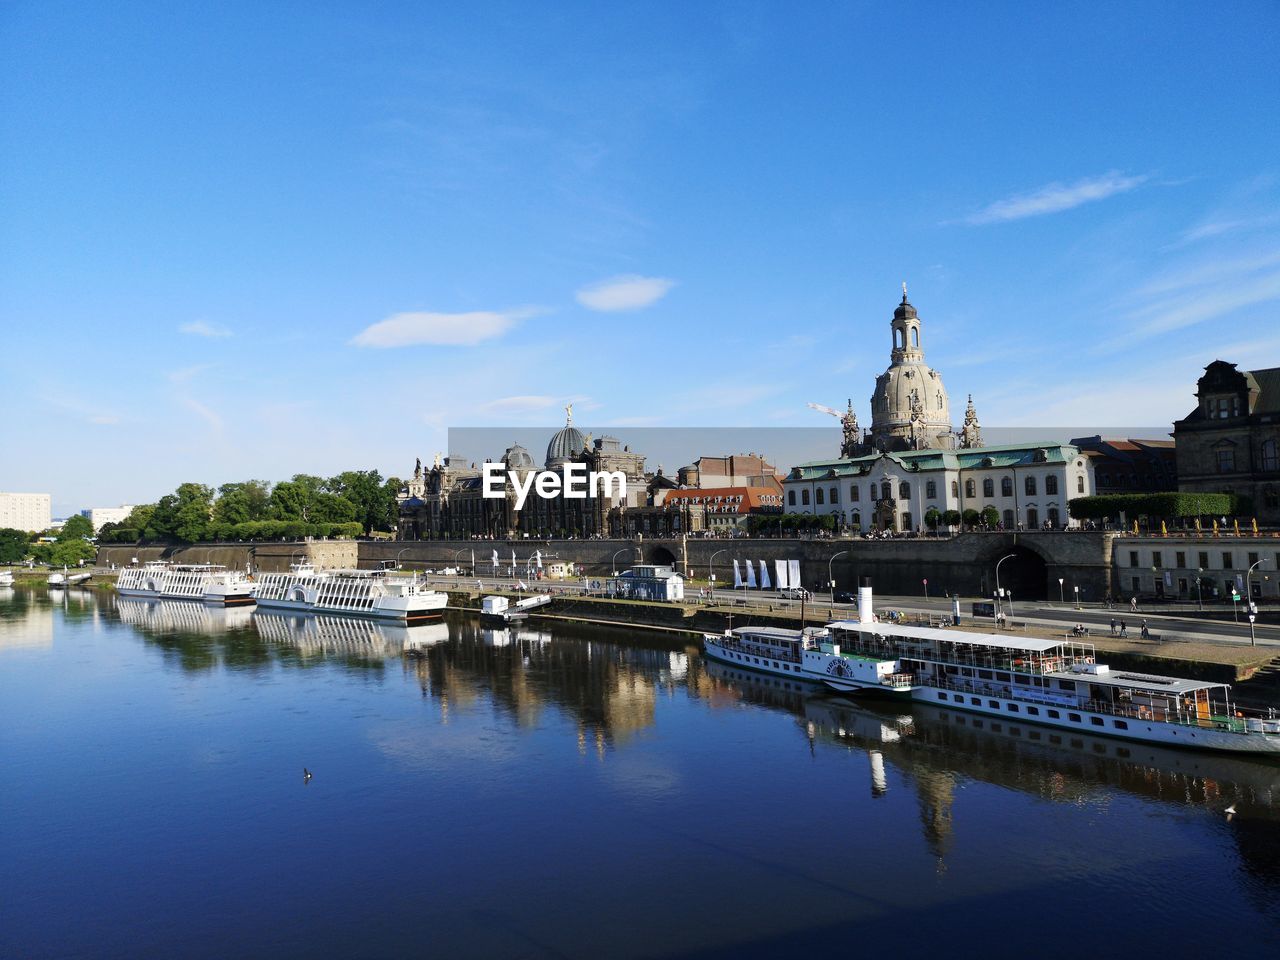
<point>1133,604</point>
<point>1113,626</point>
<point>1124,629</point>
<point>1146,634</point>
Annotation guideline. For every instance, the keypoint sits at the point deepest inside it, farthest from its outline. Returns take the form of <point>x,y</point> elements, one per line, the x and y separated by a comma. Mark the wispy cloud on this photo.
<point>202,328</point>
<point>1056,197</point>
<point>439,329</point>
<point>187,374</point>
<point>209,416</point>
<point>518,404</point>
<point>629,292</point>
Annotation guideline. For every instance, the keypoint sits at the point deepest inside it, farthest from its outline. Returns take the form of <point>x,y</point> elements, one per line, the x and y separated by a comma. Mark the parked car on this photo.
<point>797,593</point>
<point>844,596</point>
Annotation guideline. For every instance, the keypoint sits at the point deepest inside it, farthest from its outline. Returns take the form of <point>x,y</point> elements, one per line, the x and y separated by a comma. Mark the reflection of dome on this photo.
<point>567,444</point>
<point>517,458</point>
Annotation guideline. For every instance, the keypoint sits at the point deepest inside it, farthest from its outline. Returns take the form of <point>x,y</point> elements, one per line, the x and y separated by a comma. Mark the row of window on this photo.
<point>1034,711</point>
<point>1030,487</point>
<point>1268,457</point>
<point>1202,560</point>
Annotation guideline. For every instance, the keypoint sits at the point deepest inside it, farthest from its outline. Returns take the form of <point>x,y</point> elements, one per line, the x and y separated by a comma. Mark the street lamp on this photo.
<point>1200,589</point>
<point>1060,598</point>
<point>1248,598</point>
<point>398,556</point>
<point>711,577</point>
<point>999,592</point>
<point>613,566</point>
<point>831,580</point>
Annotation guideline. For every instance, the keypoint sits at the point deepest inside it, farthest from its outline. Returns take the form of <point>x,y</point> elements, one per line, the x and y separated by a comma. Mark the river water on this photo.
<point>564,791</point>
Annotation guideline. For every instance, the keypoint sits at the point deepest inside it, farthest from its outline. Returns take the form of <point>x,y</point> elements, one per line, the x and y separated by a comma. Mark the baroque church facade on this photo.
<point>912,461</point>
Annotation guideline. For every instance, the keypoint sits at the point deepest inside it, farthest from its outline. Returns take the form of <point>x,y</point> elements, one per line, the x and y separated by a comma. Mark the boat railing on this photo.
<point>1220,716</point>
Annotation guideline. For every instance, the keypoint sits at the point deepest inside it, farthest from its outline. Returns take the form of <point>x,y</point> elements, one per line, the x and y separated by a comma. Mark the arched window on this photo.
<point>857,519</point>
<point>818,492</point>
<point>804,498</point>
<point>915,336</point>
<point>1055,520</point>
<point>1079,484</point>
<point>970,488</point>
<point>1033,518</point>
<point>955,489</point>
<point>1051,484</point>
<point>1271,496</point>
<point>904,490</point>
<point>1008,519</point>
<point>931,489</point>
<point>988,487</point>
<point>886,491</point>
<point>1006,486</point>
<point>1269,459</point>
<point>1029,484</point>
<point>835,494</point>
<point>853,493</point>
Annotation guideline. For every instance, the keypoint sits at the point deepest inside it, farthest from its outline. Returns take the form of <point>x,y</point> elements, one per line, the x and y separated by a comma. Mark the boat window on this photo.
<point>1096,721</point>
<point>942,696</point>
<point>1054,715</point>
<point>977,724</point>
<point>984,674</point>
<point>994,704</point>
<point>1033,711</point>
<point>1013,707</point>
<point>1119,724</point>
<point>1066,685</point>
<point>1003,677</point>
<point>976,701</point>
<point>1073,717</point>
<point>1053,737</point>
<point>997,728</point>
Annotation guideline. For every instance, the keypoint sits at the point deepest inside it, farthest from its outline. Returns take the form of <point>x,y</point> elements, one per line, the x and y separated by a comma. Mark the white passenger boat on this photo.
<point>6,578</point>
<point>351,593</point>
<point>206,582</point>
<point>1056,683</point>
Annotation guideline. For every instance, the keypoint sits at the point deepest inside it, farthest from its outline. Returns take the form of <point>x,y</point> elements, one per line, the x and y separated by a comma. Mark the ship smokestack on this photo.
<point>865,612</point>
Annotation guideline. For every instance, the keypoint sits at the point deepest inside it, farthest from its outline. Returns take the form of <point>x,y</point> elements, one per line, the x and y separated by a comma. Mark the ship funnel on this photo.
<point>865,612</point>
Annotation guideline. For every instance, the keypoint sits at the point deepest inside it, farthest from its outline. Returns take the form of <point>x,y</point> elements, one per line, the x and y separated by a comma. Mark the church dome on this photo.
<point>904,309</point>
<point>910,408</point>
<point>517,458</point>
<point>567,444</point>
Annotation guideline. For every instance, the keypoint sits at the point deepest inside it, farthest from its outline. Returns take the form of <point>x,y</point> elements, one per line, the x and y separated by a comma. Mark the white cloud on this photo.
<point>438,329</point>
<point>520,404</point>
<point>1055,197</point>
<point>629,292</point>
<point>209,416</point>
<point>186,374</point>
<point>199,328</point>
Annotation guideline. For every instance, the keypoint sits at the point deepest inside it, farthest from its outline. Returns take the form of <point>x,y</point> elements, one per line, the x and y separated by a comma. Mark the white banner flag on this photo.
<point>793,574</point>
<point>737,576</point>
<point>751,574</point>
<point>495,563</point>
<point>764,575</point>
<point>781,567</point>
<point>539,556</point>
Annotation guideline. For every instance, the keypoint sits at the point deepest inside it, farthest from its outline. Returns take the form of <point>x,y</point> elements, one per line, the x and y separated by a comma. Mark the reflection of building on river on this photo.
<point>610,690</point>
<point>33,628</point>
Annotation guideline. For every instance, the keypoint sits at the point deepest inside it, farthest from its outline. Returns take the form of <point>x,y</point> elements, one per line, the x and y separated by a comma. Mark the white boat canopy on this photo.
<point>947,635</point>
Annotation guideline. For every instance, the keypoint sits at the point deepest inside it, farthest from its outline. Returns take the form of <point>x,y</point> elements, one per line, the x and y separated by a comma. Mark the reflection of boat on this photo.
<point>167,616</point>
<point>6,578</point>
<point>352,593</point>
<point>186,581</point>
<point>346,635</point>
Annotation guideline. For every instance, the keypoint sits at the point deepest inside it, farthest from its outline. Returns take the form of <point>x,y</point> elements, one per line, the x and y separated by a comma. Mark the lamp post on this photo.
<point>613,566</point>
<point>1060,597</point>
<point>999,592</point>
<point>1248,598</point>
<point>711,577</point>
<point>399,554</point>
<point>831,580</point>
<point>1199,589</point>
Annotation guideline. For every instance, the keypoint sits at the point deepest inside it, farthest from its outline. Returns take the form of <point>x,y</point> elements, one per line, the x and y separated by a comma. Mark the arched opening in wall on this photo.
<point>915,337</point>
<point>898,340</point>
<point>659,555</point>
<point>1024,573</point>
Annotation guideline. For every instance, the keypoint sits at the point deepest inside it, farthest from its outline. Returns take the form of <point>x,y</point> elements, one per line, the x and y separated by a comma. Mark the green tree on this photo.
<point>77,527</point>
<point>971,518</point>
<point>366,491</point>
<point>932,518</point>
<point>952,518</point>
<point>242,502</point>
<point>991,517</point>
<point>14,545</point>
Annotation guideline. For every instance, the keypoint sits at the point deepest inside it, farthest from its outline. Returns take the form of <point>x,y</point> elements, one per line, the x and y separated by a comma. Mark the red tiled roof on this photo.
<point>729,499</point>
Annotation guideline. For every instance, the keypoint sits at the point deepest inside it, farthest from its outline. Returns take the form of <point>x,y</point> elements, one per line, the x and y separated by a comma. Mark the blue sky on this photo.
<point>246,240</point>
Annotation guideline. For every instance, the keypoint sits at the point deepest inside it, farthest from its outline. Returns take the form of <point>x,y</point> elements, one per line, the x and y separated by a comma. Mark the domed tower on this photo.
<point>910,409</point>
<point>567,444</point>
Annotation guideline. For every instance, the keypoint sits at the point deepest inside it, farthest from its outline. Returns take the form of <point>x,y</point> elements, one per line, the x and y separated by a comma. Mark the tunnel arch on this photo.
<point>1026,573</point>
<point>660,555</point>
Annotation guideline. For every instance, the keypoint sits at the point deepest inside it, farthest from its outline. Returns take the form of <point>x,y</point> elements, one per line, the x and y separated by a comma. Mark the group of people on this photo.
<point>1121,629</point>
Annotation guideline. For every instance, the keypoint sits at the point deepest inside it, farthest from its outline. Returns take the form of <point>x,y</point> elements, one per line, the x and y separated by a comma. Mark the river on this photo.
<point>570,791</point>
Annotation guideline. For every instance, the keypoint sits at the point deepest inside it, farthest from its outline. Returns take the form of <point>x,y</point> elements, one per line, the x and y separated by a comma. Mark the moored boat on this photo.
<point>353,593</point>
<point>205,582</point>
